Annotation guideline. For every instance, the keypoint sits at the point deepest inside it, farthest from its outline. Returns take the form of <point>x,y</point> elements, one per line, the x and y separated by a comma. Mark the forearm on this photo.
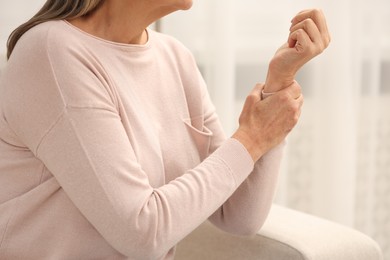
<point>246,210</point>
<point>275,82</point>
<point>114,193</point>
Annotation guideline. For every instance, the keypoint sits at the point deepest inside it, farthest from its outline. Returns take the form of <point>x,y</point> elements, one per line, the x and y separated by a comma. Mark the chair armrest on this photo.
<point>287,234</point>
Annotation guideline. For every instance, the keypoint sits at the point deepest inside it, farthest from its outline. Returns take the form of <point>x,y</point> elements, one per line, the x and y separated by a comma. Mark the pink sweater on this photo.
<point>114,151</point>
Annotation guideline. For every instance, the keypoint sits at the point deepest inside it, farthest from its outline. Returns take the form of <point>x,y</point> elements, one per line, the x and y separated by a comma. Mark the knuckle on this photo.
<point>312,50</point>
<point>317,12</point>
<point>295,119</point>
<point>321,47</point>
<point>300,31</point>
<point>327,40</point>
<point>317,49</point>
<point>308,22</point>
<point>297,33</point>
<point>283,97</point>
<point>297,87</point>
<point>295,108</point>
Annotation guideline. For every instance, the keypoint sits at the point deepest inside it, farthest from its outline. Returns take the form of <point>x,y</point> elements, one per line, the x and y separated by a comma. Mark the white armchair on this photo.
<point>286,235</point>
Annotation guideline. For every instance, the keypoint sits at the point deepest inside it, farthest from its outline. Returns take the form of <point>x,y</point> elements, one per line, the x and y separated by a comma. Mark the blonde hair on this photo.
<point>53,10</point>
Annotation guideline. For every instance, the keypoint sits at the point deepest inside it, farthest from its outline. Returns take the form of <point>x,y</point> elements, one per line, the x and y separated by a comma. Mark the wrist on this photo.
<point>273,84</point>
<point>249,143</point>
<point>277,81</point>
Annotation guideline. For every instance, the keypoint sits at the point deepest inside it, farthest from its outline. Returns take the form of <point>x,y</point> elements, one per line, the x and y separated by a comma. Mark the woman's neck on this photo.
<point>119,21</point>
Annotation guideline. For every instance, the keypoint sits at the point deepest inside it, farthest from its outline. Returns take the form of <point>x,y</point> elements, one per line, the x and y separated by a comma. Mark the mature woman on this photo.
<point>110,147</point>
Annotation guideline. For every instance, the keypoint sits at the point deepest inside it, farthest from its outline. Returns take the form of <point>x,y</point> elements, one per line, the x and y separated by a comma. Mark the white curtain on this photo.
<point>337,162</point>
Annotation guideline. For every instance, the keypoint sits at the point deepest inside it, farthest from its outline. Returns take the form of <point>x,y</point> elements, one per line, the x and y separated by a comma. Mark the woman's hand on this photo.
<point>265,123</point>
<point>308,37</point>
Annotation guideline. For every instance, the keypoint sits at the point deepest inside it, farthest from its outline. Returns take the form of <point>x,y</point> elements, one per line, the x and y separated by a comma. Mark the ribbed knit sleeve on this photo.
<point>246,210</point>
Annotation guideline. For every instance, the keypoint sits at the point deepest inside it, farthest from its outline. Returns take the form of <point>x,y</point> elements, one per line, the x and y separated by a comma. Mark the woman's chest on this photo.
<point>156,114</point>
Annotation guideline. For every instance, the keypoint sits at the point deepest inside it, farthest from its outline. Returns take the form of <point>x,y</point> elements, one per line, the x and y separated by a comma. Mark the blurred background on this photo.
<point>337,161</point>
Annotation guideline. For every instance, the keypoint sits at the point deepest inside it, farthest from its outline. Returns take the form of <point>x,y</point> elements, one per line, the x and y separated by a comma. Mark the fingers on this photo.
<point>310,28</point>
<point>293,91</point>
<point>300,40</point>
<point>298,110</point>
<point>300,102</point>
<point>295,106</point>
<point>309,33</point>
<point>314,14</point>
<point>254,96</point>
<point>313,22</point>
<point>290,101</point>
<point>257,89</point>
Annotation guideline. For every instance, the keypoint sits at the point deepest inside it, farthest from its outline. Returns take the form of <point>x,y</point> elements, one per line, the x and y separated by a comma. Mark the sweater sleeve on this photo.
<point>81,140</point>
<point>246,210</point>
<point>89,154</point>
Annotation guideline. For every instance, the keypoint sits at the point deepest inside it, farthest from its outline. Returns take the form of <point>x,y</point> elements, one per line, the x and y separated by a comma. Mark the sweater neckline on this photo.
<point>123,46</point>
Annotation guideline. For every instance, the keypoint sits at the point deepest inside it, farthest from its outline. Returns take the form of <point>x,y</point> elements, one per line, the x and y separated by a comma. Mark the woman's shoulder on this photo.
<point>173,47</point>
<point>42,39</point>
<point>43,34</point>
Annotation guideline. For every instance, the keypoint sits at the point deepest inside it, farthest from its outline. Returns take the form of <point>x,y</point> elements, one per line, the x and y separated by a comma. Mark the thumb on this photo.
<point>255,93</point>
<point>299,40</point>
<point>254,96</point>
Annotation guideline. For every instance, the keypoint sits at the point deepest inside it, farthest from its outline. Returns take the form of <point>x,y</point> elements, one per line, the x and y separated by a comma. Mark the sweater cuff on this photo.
<point>237,158</point>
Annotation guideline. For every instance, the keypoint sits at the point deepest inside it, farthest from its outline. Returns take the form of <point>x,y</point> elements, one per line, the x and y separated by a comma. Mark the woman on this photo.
<point>110,146</point>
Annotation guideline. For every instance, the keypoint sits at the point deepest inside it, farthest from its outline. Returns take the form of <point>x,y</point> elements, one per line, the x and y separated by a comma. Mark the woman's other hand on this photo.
<point>265,123</point>
<point>308,37</point>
